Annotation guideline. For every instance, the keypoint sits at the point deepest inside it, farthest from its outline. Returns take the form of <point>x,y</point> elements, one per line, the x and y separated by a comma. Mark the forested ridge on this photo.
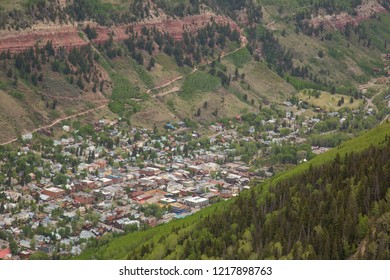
<point>334,208</point>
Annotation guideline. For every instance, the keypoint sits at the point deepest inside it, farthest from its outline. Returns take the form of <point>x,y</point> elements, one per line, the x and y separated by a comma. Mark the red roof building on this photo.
<point>5,254</point>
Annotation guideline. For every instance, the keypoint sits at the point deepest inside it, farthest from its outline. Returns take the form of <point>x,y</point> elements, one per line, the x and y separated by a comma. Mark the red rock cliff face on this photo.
<point>172,26</point>
<point>68,35</point>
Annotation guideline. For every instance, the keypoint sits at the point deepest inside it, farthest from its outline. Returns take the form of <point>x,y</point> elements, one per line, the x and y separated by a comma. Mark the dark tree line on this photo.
<point>326,212</point>
<point>192,49</point>
<point>276,56</point>
<point>77,64</point>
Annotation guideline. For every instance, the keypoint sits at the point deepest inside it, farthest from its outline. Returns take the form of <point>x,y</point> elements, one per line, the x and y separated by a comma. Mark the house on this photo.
<point>196,169</point>
<point>178,208</point>
<point>86,234</point>
<point>53,192</point>
<point>27,136</point>
<point>210,167</point>
<point>226,194</point>
<point>5,254</point>
<point>150,171</point>
<point>196,202</point>
<point>83,198</point>
<point>127,222</point>
<point>85,184</point>
<point>106,181</point>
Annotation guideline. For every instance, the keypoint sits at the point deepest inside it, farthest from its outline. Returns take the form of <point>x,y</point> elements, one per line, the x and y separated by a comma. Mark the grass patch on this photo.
<point>54,114</point>
<point>169,65</point>
<point>69,112</point>
<point>327,101</point>
<point>143,74</point>
<point>300,84</point>
<point>199,82</point>
<point>17,94</point>
<point>81,34</point>
<point>122,93</point>
<point>240,58</point>
<point>3,86</point>
<point>334,53</point>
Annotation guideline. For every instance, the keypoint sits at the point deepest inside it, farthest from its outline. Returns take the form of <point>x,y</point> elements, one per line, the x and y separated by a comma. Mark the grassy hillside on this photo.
<point>33,93</point>
<point>248,227</point>
<point>342,57</point>
<point>284,55</point>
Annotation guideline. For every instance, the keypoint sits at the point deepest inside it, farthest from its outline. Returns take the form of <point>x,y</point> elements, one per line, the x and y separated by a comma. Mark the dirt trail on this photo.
<point>57,122</point>
<point>172,90</point>
<point>243,45</point>
<point>171,81</point>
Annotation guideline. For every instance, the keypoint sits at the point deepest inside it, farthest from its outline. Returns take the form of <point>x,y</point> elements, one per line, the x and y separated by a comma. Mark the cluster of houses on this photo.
<point>115,190</point>
<point>139,179</point>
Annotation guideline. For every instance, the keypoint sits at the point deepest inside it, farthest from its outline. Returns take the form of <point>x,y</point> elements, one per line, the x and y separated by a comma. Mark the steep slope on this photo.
<point>331,43</point>
<point>142,57</point>
<point>334,207</point>
<point>61,58</point>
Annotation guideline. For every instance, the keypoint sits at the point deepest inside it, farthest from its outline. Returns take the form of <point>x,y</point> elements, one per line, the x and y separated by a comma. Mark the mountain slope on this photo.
<point>333,207</point>
<point>135,46</point>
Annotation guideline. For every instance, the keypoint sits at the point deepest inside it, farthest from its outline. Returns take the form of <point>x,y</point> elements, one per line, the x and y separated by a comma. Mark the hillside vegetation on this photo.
<point>334,207</point>
<point>133,48</point>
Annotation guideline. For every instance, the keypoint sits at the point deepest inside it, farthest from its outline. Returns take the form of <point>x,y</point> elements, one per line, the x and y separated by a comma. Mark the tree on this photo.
<point>34,79</point>
<point>13,247</point>
<point>54,105</point>
<point>151,64</point>
<point>9,73</point>
<point>39,256</point>
<point>80,83</point>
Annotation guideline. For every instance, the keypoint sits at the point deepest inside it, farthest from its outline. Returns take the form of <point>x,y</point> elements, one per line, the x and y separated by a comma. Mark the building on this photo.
<point>85,184</point>
<point>83,198</point>
<point>5,254</point>
<point>178,208</point>
<point>196,202</point>
<point>150,171</point>
<point>53,192</point>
